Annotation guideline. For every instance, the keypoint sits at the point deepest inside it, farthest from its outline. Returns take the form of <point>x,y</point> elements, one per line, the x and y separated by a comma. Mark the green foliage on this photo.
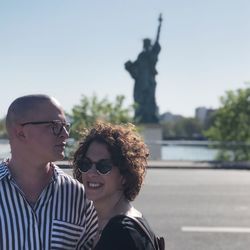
<point>231,124</point>
<point>92,109</point>
<point>3,132</point>
<point>183,128</point>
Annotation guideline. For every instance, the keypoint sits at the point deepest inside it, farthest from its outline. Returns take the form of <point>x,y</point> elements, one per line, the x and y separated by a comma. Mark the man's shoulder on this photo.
<point>3,169</point>
<point>65,179</point>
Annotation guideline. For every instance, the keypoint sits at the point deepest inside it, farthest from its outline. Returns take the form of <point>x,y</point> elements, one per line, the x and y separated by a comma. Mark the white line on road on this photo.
<point>216,229</point>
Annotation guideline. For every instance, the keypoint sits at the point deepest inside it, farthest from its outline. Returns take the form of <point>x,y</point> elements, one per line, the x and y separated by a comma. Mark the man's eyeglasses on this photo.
<point>56,125</point>
<point>102,167</point>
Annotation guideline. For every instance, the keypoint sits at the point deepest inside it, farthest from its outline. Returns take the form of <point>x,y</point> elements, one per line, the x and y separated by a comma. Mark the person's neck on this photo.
<point>20,168</point>
<point>30,178</point>
<point>109,209</point>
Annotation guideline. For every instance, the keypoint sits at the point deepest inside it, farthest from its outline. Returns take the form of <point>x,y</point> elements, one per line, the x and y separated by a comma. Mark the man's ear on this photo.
<point>18,132</point>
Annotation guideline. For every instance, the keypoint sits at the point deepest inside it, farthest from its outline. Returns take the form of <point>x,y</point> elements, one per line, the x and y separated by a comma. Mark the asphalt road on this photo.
<point>198,209</point>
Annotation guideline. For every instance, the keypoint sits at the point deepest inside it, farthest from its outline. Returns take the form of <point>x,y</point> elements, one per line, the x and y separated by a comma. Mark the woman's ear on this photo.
<point>123,180</point>
<point>122,183</point>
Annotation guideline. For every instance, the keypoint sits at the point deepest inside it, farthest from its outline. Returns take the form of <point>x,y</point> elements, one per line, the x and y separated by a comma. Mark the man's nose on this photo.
<point>64,133</point>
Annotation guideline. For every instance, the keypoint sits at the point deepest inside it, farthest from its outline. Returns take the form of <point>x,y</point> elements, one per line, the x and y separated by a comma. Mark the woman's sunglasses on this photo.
<point>102,167</point>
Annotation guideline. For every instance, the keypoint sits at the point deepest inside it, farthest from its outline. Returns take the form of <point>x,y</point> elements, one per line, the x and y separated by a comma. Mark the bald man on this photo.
<point>40,206</point>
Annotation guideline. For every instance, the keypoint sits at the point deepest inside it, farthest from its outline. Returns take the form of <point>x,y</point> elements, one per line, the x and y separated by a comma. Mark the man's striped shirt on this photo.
<point>62,217</point>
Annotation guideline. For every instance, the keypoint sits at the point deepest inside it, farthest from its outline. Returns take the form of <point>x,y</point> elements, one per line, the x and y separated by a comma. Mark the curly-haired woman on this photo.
<point>111,163</point>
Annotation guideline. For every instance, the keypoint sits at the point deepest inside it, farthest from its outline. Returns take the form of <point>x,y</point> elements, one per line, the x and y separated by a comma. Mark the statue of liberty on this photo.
<point>143,71</point>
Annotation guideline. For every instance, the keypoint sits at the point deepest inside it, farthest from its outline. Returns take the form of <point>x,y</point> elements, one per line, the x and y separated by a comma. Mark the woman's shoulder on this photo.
<point>124,233</point>
<point>122,221</point>
<point>134,222</point>
<point>121,224</point>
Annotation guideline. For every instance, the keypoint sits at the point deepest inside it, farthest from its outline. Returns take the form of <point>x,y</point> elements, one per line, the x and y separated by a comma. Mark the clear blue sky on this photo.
<point>67,48</point>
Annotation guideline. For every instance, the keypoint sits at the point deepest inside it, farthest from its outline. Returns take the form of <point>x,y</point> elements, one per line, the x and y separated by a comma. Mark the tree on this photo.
<point>184,128</point>
<point>92,109</point>
<point>3,132</point>
<point>231,125</point>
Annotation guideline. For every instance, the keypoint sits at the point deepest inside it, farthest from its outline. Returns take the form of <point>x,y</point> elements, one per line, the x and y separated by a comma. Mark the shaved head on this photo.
<point>25,107</point>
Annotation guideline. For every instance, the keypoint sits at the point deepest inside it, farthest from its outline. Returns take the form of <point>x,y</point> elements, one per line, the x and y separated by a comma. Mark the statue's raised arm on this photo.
<point>159,29</point>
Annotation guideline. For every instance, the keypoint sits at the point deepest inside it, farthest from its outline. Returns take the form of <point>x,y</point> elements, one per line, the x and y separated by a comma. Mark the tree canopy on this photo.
<point>92,109</point>
<point>231,125</point>
<point>3,132</point>
<point>184,128</point>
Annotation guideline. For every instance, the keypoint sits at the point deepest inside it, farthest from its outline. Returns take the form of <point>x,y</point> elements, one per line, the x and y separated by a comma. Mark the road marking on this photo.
<point>216,229</point>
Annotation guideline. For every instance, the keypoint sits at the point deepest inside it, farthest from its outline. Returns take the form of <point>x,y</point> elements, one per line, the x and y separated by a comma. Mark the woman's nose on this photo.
<point>92,170</point>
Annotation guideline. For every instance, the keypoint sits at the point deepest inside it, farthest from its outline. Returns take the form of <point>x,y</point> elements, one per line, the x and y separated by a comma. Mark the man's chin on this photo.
<point>59,157</point>
<point>62,156</point>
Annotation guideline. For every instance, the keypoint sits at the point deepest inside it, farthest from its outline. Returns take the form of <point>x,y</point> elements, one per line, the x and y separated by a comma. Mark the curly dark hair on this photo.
<point>128,152</point>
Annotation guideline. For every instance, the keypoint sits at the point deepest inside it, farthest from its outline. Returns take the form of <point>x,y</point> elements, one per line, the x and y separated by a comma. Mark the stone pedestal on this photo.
<point>152,134</point>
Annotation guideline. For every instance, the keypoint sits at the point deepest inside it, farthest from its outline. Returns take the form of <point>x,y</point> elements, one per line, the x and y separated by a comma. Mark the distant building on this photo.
<point>202,114</point>
<point>169,117</point>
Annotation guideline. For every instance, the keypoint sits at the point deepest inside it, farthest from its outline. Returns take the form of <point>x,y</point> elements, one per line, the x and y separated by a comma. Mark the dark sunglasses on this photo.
<point>56,125</point>
<point>102,167</point>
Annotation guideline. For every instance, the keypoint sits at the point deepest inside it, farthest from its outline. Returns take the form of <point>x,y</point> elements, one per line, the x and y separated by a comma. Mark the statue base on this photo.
<point>152,134</point>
